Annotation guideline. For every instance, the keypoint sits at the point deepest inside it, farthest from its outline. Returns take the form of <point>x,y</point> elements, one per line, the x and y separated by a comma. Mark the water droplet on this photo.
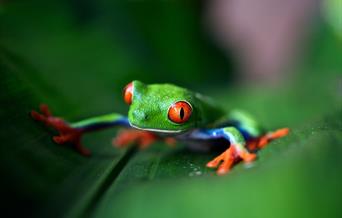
<point>198,173</point>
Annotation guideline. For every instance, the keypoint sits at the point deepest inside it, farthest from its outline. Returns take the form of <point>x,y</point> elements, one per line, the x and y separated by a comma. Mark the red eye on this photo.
<point>128,93</point>
<point>180,112</point>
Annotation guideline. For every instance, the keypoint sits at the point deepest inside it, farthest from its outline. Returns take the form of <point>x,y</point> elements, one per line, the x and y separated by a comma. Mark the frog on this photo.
<point>169,113</point>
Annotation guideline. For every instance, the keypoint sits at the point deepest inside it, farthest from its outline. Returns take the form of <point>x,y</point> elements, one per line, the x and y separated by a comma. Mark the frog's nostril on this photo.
<point>145,116</point>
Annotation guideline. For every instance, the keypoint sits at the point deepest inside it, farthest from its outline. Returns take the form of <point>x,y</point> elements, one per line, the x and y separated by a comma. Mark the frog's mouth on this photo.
<point>156,130</point>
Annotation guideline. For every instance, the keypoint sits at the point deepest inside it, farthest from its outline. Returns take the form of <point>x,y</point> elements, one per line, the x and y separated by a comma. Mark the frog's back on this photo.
<point>209,112</point>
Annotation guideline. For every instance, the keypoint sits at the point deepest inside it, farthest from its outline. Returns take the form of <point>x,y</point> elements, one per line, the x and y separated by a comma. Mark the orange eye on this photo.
<point>128,93</point>
<point>180,112</point>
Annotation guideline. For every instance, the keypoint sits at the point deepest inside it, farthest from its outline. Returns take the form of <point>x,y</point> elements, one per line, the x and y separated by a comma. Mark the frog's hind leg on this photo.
<point>260,142</point>
<point>256,137</point>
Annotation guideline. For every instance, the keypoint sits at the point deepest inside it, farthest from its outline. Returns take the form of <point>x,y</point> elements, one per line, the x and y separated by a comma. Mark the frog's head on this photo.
<point>160,107</point>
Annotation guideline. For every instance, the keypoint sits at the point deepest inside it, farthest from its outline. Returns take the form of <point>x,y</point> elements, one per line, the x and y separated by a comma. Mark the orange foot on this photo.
<point>67,134</point>
<point>143,138</point>
<point>226,160</point>
<point>259,143</point>
<point>130,136</point>
<point>171,142</point>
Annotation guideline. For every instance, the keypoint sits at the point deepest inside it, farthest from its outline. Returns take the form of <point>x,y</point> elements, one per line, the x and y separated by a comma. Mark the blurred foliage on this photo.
<point>77,55</point>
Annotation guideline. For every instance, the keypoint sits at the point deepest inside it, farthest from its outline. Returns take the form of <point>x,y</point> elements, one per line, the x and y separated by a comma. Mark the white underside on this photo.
<point>156,130</point>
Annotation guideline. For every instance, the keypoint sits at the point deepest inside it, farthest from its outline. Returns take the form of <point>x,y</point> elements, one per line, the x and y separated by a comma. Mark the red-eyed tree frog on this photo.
<point>171,113</point>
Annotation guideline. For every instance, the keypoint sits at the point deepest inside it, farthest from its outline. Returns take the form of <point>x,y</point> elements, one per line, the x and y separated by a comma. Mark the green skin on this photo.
<point>149,112</point>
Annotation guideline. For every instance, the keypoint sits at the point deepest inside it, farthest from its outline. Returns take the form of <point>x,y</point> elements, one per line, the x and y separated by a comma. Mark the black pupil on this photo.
<point>181,113</point>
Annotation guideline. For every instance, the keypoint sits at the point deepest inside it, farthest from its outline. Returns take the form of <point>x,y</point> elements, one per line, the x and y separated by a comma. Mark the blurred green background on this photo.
<point>77,55</point>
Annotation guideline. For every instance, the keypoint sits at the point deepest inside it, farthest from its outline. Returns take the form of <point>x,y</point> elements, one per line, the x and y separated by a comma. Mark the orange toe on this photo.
<point>264,140</point>
<point>225,167</point>
<point>45,110</point>
<point>59,139</point>
<point>37,116</point>
<point>248,157</point>
<point>224,161</point>
<point>213,164</point>
<point>278,133</point>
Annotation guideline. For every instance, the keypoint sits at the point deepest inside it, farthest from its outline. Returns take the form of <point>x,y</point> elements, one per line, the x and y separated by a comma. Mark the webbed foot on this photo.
<point>261,142</point>
<point>171,142</point>
<point>226,160</point>
<point>67,134</point>
<point>130,136</point>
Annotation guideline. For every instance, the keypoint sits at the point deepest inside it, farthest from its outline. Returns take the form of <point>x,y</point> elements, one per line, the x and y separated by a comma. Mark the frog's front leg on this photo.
<point>72,132</point>
<point>142,138</point>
